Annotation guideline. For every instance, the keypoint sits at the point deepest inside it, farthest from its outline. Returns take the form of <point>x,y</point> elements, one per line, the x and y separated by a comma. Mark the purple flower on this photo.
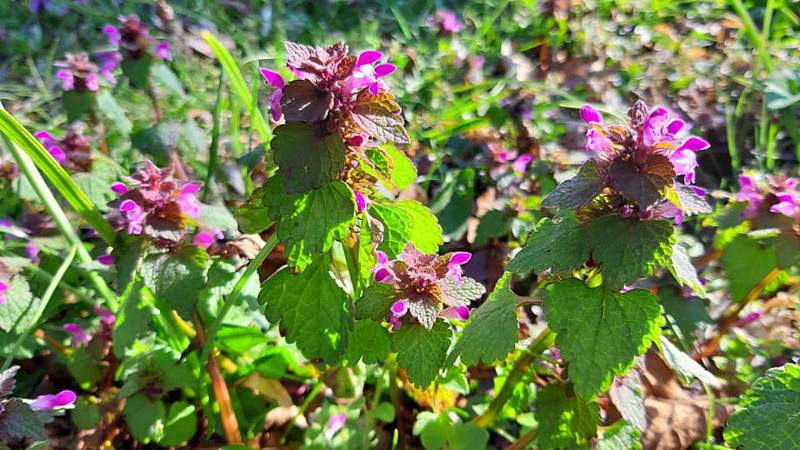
<point>427,286</point>
<point>106,316</point>
<point>106,260</point>
<point>77,73</point>
<point>135,215</point>
<point>445,21</point>
<point>361,202</point>
<point>786,205</point>
<point>78,335</point>
<point>368,75</point>
<point>749,193</point>
<point>49,402</point>
<point>187,200</point>
<point>3,289</point>
<point>204,239</point>
<point>275,80</point>
<point>32,251</point>
<point>335,423</point>
<point>109,61</point>
<point>750,318</point>
<point>67,80</point>
<point>163,51</point>
<point>521,163</point>
<point>780,193</point>
<point>112,34</point>
<point>119,188</point>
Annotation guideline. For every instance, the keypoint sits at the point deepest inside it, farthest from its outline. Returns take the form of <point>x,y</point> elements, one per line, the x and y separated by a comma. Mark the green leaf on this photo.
<point>747,261</point>
<point>627,394</point>
<point>110,110</point>
<point>253,217</point>
<point>685,198</point>
<point>493,224</point>
<point>492,332</point>
<point>18,421</point>
<point>684,366</point>
<point>630,249</point>
<point>369,342</point>
<point>217,216</point>
<point>145,418</point>
<point>167,78</point>
<point>400,170</point>
<point>384,412</point>
<point>85,415</point>
<point>560,246</point>
<point>18,312</point>
<point>309,222</point>
<point>312,309</point>
<point>158,141</point>
<point>137,70</point>
<point>95,188</point>
<point>620,436</point>
<point>453,203</point>
<point>379,117</point>
<point>176,278</point>
<point>132,322</point>
<point>422,352</point>
<point>578,191</point>
<point>683,270</point>
<point>308,158</point>
<point>687,313</point>
<point>180,425</point>
<point>78,103</point>
<point>85,367</point>
<point>643,184</point>
<point>564,421</point>
<point>375,302</point>
<point>600,332</point>
<point>303,101</point>
<point>767,415</point>
<point>468,436</point>
<point>787,249</point>
<point>407,221</point>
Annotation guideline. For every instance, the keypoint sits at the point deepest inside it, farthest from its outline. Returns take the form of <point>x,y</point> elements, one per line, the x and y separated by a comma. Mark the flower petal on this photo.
<point>368,57</point>
<point>589,115</point>
<point>273,78</point>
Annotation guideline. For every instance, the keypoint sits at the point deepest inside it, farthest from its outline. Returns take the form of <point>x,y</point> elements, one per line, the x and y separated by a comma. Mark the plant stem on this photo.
<point>62,223</point>
<point>233,297</point>
<point>728,320</point>
<point>524,440</point>
<point>213,149</point>
<point>376,398</point>
<point>752,33</point>
<point>48,293</point>
<point>537,346</point>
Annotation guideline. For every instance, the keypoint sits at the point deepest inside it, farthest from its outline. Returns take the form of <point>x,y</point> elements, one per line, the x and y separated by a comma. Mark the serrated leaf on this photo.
<point>375,302</point>
<point>302,101</point>
<point>145,417</point>
<point>492,332</point>
<point>407,221</point>
<point>564,421</point>
<point>396,166</point>
<point>685,198</point>
<point>369,342</point>
<point>579,190</point>
<point>600,332</point>
<point>379,117</point>
<point>627,394</point>
<point>747,261</point>
<point>620,436</point>
<point>312,309</point>
<point>309,222</point>
<point>560,246</point>
<point>643,184</point>
<point>460,292</point>
<point>683,270</point>
<point>422,352</point>
<point>424,311</point>
<point>19,421</point>
<point>17,313</point>
<point>308,158</point>
<point>767,416</point>
<point>629,249</point>
<point>8,381</point>
<point>684,366</point>
<point>176,278</point>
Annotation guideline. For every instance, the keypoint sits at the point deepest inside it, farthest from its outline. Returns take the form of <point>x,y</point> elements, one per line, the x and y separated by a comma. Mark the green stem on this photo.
<point>233,297</point>
<point>752,33</point>
<point>376,398</point>
<point>542,342</point>
<point>306,403</point>
<point>62,223</point>
<point>213,150</point>
<point>48,293</point>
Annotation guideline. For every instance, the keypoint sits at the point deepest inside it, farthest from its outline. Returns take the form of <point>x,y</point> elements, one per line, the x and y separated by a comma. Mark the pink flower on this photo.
<point>361,202</point>
<point>460,312</point>
<point>163,51</point>
<point>135,215</point>
<point>335,423</point>
<point>203,240</point>
<point>275,80</point>
<point>32,251</point>
<point>78,335</point>
<point>368,75</point>
<point>188,201</point>
<point>107,317</point>
<point>457,259</point>
<point>112,34</point>
<point>119,188</point>
<point>106,260</point>
<point>3,289</point>
<point>62,400</point>
<point>749,193</point>
<point>521,163</point>
<point>786,205</point>
<point>445,21</point>
<point>67,80</point>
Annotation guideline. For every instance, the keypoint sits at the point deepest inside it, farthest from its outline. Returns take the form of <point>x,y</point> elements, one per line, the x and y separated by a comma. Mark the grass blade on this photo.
<point>55,174</point>
<point>239,85</point>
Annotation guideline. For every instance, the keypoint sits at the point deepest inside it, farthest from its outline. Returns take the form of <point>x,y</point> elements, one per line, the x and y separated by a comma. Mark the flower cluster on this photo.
<point>81,337</point>
<point>445,21</point>
<point>427,286</point>
<point>338,93</point>
<point>502,159</point>
<point>77,73</point>
<point>73,151</point>
<point>134,41</point>
<point>775,195</point>
<point>154,203</point>
<point>634,166</point>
